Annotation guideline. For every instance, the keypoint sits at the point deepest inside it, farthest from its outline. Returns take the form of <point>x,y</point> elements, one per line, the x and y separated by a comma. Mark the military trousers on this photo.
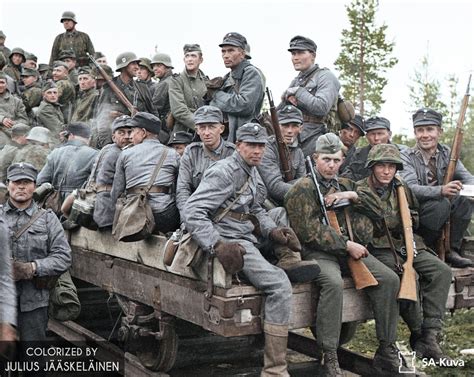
<point>271,280</point>
<point>434,280</point>
<point>383,299</point>
<point>32,324</point>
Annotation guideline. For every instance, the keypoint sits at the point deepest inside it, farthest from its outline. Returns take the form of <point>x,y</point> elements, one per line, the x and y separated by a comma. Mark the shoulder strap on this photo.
<point>157,169</point>
<point>93,174</point>
<point>25,227</point>
<point>222,214</point>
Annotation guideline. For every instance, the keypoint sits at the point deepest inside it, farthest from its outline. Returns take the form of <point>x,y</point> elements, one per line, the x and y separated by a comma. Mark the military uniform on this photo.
<point>50,116</point>
<point>72,40</point>
<point>7,155</point>
<point>161,100</point>
<point>10,107</point>
<point>66,97</point>
<point>7,287</point>
<point>85,106</point>
<point>32,97</point>
<point>33,154</point>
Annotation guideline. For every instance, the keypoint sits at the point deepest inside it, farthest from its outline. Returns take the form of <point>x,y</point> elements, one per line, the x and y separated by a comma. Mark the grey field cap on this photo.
<point>252,133</point>
<point>123,121</point>
<point>208,114</point>
<point>39,134</point>
<point>302,43</point>
<point>162,58</point>
<point>65,54</point>
<point>234,39</point>
<point>20,129</point>
<point>290,114</point>
<point>59,63</point>
<point>147,121</point>
<point>328,144</point>
<point>181,137</point>
<point>427,117</point>
<point>21,170</point>
<point>357,122</point>
<point>377,123</point>
<point>29,72</point>
<point>190,47</point>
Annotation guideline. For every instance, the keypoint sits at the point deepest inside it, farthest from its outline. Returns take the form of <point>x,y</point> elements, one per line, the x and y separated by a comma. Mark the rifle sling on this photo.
<point>25,227</point>
<point>398,264</point>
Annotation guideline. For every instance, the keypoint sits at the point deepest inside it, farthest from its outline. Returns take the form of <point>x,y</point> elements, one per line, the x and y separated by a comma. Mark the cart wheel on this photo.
<point>159,354</point>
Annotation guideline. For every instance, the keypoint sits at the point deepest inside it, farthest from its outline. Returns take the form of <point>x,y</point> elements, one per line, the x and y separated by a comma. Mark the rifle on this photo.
<point>283,152</point>
<point>408,284</point>
<point>360,273</point>
<point>444,241</point>
<point>122,98</point>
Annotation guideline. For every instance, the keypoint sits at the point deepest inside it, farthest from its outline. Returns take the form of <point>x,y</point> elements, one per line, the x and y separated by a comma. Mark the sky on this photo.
<point>442,28</point>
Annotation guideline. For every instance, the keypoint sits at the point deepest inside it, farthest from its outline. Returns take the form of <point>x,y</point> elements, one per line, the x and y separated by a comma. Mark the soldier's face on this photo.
<point>179,148</point>
<point>28,80</point>
<point>137,135</point>
<point>349,135</point>
<point>132,69</point>
<point>232,56</point>
<point>252,153</point>
<point>302,60</point>
<point>68,25</point>
<point>59,73</point>
<point>29,64</point>
<point>71,63</point>
<point>210,134</point>
<point>427,136</point>
<point>86,82</point>
<point>102,60</point>
<point>328,164</point>
<point>192,61</point>
<point>3,86</point>
<point>21,191</point>
<point>159,70</point>
<point>143,73</point>
<point>384,172</point>
<point>290,132</point>
<point>121,137</point>
<point>17,59</point>
<point>380,136</point>
<point>51,95</point>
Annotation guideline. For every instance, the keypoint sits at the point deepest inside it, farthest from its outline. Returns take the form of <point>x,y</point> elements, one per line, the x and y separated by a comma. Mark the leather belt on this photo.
<point>153,189</point>
<point>103,188</point>
<point>312,119</point>
<point>239,216</point>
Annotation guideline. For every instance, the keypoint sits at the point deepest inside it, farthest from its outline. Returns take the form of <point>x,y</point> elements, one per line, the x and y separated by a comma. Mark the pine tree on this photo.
<point>365,58</point>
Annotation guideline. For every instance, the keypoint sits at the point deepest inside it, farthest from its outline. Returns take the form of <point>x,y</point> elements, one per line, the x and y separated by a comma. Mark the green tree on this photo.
<point>365,57</point>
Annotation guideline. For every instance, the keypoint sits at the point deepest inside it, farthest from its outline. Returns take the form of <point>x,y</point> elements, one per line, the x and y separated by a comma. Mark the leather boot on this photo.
<point>274,358</point>
<point>297,270</point>
<point>428,346</point>
<point>331,365</point>
<point>455,260</point>
<point>389,361</point>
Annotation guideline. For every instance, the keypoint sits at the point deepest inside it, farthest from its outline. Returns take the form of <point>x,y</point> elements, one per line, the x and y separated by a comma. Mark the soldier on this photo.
<point>186,91</point>
<point>110,107</point>
<point>66,90</point>
<point>16,59</point>
<point>314,91</point>
<point>100,58</point>
<point>31,61</point>
<point>68,167</point>
<point>9,151</point>
<point>32,94</point>
<point>377,132</point>
<point>99,80</point>
<point>104,170</point>
<point>12,111</point>
<point>44,71</point>
<point>86,101</point>
<point>49,113</point>
<point>145,74</point>
<point>4,49</point>
<point>379,200</point>
<point>424,167</point>
<point>72,39</point>
<point>229,189</point>
<point>350,134</point>
<point>200,155</point>
<point>135,167</point>
<point>69,57</point>
<point>179,141</point>
<point>37,149</point>
<point>39,254</point>
<point>240,93</point>
<point>163,69</point>
<point>331,249</point>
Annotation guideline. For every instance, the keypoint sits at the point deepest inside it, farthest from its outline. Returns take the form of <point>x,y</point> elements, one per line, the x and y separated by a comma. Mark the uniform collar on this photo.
<point>9,207</point>
<point>238,72</point>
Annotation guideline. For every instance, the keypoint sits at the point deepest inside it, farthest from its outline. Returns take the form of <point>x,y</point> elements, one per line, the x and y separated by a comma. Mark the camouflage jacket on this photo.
<point>305,217</point>
<point>32,97</point>
<point>7,155</point>
<point>33,154</point>
<point>72,40</point>
<point>85,105</point>
<point>49,115</point>
<point>66,97</point>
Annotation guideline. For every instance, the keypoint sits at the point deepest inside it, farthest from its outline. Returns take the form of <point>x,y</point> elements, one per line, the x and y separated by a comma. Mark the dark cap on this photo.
<point>29,72</point>
<point>302,43</point>
<point>59,63</point>
<point>79,129</point>
<point>147,121</point>
<point>189,47</point>
<point>31,56</point>
<point>98,55</point>
<point>3,75</point>
<point>84,70</point>
<point>50,84</point>
<point>67,54</point>
<point>145,62</point>
<point>208,114</point>
<point>234,39</point>
<point>181,137</point>
<point>427,117</point>
<point>290,114</point>
<point>377,123</point>
<point>42,67</point>
<point>357,122</point>
<point>21,170</point>
<point>96,74</point>
<point>20,129</point>
<point>252,133</point>
<point>328,144</point>
<point>123,121</point>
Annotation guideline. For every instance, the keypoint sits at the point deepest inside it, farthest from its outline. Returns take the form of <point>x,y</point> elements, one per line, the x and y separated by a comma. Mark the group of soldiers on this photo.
<point>218,175</point>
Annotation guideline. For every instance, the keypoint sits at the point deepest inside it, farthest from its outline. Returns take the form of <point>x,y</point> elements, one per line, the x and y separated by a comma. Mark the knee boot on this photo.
<point>428,345</point>
<point>274,359</point>
<point>297,270</point>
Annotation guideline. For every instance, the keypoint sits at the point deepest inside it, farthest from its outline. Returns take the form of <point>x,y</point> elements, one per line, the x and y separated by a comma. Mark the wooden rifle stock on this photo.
<point>408,283</point>
<point>122,98</point>
<point>361,275</point>
<point>444,241</point>
<point>283,151</point>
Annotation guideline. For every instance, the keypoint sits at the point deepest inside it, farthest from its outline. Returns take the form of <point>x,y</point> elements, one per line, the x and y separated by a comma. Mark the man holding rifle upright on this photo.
<point>424,167</point>
<point>381,196</point>
<point>332,246</point>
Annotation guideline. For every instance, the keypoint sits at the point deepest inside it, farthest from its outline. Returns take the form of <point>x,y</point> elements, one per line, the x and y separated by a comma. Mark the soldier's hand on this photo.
<point>451,189</point>
<point>7,122</point>
<point>231,256</point>
<point>22,270</point>
<point>356,250</point>
<point>287,237</point>
<point>7,337</point>
<point>115,114</point>
<point>215,83</point>
<point>292,100</point>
